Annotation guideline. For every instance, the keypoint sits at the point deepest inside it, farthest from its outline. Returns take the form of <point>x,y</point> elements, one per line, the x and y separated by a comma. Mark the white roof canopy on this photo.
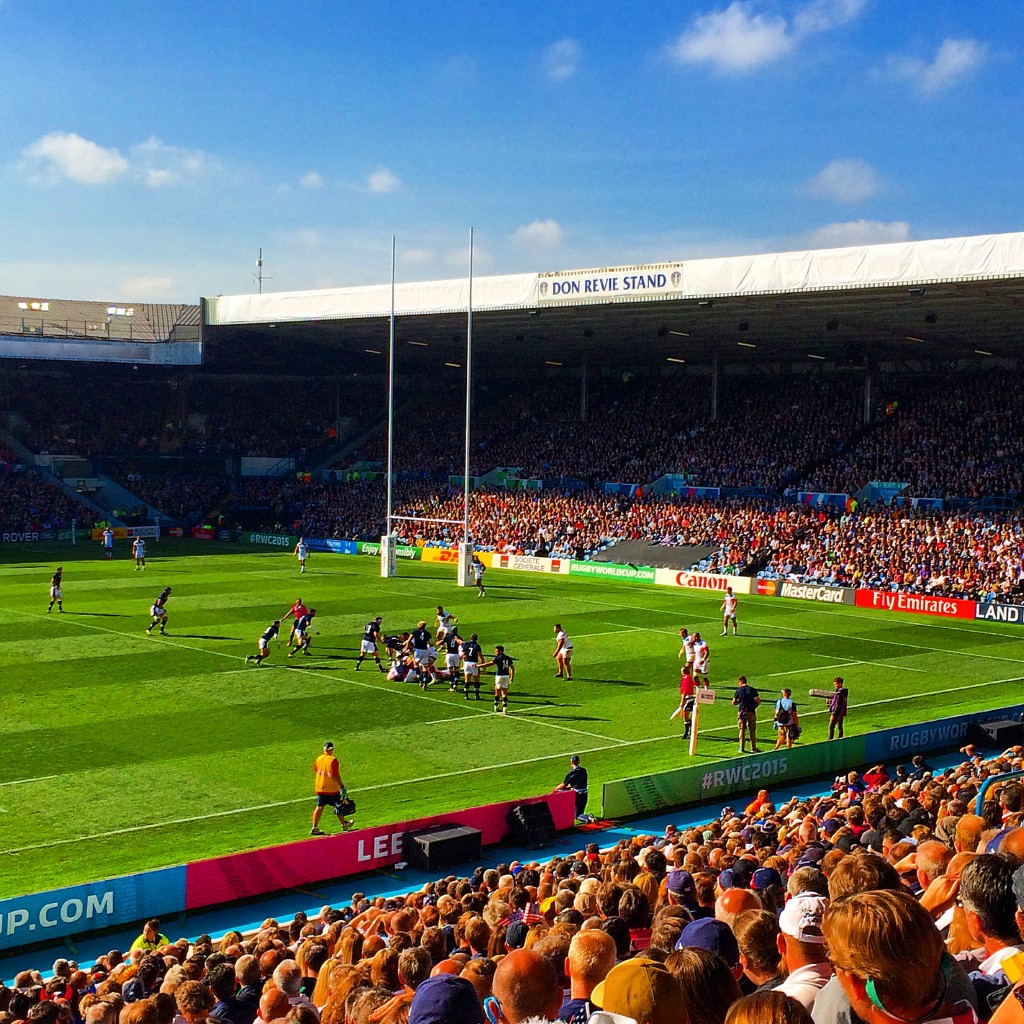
<point>896,264</point>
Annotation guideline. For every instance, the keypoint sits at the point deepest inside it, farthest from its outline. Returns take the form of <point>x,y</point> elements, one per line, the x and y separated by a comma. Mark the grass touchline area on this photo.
<point>128,751</point>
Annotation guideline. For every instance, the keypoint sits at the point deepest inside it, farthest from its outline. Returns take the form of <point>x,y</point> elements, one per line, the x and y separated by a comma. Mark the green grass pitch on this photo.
<point>122,751</point>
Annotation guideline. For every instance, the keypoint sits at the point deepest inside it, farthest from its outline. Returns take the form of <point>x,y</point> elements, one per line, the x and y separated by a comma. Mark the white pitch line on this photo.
<point>22,782</point>
<point>340,678</point>
<point>812,668</point>
<point>468,771</point>
<point>815,632</point>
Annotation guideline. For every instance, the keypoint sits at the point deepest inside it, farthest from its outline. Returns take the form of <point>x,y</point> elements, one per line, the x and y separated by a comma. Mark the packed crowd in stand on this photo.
<point>180,497</point>
<point>132,414</point>
<point>886,900</point>
<point>974,555</point>
<point>948,436</point>
<point>635,430</point>
<point>29,504</point>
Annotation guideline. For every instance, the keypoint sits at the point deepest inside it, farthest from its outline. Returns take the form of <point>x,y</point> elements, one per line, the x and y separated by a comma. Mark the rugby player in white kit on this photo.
<point>729,603</point>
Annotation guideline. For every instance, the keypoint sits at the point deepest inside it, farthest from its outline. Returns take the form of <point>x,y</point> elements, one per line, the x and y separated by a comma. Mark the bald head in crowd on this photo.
<point>1013,844</point>
<point>734,902</point>
<point>273,1004</point>
<point>932,860</point>
<point>526,986</point>
<point>268,962</point>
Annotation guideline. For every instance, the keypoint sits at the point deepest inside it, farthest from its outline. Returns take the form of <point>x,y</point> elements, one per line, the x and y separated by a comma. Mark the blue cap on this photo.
<point>763,877</point>
<point>446,999</point>
<point>707,933</point>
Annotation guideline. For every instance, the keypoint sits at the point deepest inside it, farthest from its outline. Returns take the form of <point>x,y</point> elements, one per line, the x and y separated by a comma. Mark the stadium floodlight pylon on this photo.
<point>389,542</point>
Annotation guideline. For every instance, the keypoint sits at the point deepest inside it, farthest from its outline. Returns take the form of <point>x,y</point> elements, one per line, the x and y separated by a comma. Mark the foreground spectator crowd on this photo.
<point>887,900</point>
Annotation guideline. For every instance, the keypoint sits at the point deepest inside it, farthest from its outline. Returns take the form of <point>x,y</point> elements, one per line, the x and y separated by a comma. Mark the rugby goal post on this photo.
<point>389,542</point>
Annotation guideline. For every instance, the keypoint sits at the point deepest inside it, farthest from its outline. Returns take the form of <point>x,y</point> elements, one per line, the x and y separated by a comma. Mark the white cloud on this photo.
<point>857,232</point>
<point>160,165</point>
<point>739,39</point>
<point>824,15</point>
<point>311,179</point>
<point>383,180</point>
<point>846,181</point>
<point>954,60</point>
<point>540,234</point>
<point>65,155</point>
<point>562,59</point>
<point>734,40</point>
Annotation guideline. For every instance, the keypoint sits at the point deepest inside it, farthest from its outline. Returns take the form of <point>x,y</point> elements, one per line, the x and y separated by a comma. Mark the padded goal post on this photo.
<point>388,555</point>
<point>465,565</point>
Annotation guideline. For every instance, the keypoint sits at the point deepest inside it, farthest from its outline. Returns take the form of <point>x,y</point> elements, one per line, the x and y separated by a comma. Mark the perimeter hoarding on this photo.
<point>372,548</point>
<point>298,864</point>
<point>819,593</point>
<point>904,742</point>
<point>915,604</point>
<point>701,581</point>
<point>612,570</point>
<point>988,611</point>
<point>694,784</point>
<point>57,913</point>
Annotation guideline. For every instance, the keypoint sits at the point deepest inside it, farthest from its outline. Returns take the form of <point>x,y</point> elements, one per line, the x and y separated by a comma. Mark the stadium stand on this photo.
<point>29,504</point>
<point>795,905</point>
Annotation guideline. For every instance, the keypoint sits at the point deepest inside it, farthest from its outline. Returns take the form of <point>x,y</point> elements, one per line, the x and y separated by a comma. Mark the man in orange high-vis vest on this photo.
<point>329,788</point>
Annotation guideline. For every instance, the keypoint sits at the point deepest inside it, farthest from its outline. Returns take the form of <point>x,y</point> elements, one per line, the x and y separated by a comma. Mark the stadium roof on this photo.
<point>941,300</point>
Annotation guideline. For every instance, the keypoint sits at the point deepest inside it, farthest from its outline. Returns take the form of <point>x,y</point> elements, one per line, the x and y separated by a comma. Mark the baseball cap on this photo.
<point>714,936</point>
<point>832,826</point>
<point>801,918</point>
<point>810,857</point>
<point>641,989</point>
<point>575,759</point>
<point>515,935</point>
<point>763,877</point>
<point>445,999</point>
<point>680,883</point>
<point>328,745</point>
<point>734,878</point>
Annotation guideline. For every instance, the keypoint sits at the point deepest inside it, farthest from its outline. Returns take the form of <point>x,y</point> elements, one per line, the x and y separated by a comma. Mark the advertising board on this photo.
<point>701,581</point>
<point>915,604</point>
<point>72,909</point>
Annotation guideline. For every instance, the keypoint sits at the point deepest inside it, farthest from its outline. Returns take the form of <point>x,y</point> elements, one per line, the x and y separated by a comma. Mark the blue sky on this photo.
<point>148,150</point>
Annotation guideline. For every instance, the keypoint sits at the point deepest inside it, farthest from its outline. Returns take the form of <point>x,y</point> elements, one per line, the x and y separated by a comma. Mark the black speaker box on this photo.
<point>531,825</point>
<point>1003,733</point>
<point>442,846</point>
